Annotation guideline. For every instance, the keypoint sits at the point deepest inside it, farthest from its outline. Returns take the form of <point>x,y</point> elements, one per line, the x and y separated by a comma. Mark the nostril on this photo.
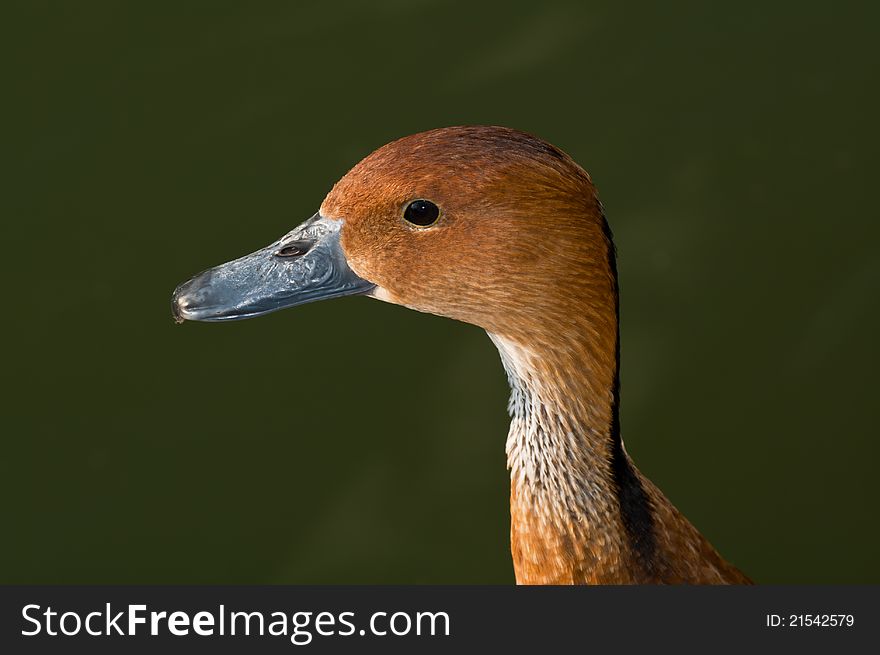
<point>294,249</point>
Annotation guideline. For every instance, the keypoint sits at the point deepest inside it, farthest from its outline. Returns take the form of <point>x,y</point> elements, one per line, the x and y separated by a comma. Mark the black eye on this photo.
<point>421,212</point>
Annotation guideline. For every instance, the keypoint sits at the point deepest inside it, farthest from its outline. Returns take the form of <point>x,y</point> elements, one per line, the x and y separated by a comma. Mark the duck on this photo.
<point>500,229</point>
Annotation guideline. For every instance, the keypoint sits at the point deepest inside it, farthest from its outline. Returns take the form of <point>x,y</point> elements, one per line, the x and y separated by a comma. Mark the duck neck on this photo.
<point>580,511</point>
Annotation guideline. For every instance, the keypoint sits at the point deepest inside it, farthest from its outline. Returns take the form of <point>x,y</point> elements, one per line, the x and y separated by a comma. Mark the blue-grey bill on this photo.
<point>305,265</point>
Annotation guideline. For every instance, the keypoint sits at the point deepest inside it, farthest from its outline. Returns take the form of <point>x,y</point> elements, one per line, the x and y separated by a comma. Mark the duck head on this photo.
<point>496,228</point>
<point>486,225</point>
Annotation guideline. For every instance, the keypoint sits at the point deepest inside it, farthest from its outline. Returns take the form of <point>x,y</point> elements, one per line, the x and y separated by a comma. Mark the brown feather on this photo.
<point>522,250</point>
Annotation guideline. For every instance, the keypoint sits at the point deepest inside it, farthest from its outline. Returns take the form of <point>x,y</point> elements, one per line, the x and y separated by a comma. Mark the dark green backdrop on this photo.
<point>735,149</point>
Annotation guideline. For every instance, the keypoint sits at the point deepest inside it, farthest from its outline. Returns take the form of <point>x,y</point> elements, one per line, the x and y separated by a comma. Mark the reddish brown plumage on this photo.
<point>522,250</point>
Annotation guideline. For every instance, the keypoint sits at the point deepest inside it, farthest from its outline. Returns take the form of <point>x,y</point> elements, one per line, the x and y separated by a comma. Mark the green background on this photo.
<point>735,148</point>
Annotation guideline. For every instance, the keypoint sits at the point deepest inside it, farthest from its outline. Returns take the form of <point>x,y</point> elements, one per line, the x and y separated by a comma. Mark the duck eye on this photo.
<point>421,212</point>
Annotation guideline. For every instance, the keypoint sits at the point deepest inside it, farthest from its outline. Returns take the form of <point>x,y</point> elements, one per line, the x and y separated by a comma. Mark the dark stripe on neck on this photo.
<point>636,511</point>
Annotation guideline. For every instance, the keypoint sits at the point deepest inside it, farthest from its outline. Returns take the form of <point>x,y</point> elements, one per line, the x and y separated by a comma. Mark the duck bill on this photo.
<point>305,265</point>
